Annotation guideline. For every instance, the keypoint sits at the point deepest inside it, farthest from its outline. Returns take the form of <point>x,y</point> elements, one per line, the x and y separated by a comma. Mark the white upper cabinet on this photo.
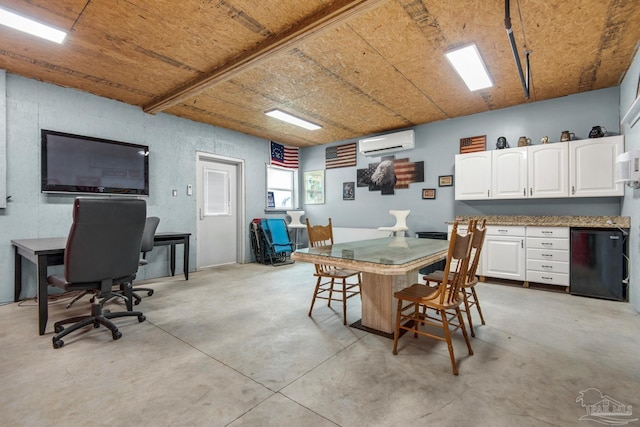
<point>548,170</point>
<point>509,173</point>
<point>581,168</point>
<point>473,176</point>
<point>592,165</point>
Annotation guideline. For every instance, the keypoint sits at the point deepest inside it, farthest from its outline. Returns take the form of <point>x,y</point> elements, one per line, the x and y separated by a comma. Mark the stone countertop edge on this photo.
<point>552,221</point>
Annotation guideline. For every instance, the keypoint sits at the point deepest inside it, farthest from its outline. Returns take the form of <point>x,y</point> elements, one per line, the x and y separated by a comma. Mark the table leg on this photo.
<point>17,275</point>
<point>173,258</point>
<point>42,294</point>
<point>186,258</point>
<point>378,304</point>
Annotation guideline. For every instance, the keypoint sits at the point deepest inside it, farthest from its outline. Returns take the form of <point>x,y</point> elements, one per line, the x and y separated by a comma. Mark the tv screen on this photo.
<point>82,164</point>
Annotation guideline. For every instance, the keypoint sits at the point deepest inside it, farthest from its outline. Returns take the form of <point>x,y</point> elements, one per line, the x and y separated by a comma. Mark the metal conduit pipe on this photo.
<point>514,49</point>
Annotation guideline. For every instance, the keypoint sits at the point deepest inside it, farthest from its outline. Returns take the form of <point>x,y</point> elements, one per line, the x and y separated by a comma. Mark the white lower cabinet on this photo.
<point>548,255</point>
<point>503,253</point>
<point>525,253</point>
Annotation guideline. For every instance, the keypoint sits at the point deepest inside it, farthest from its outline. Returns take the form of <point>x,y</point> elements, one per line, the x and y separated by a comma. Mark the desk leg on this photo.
<point>42,294</point>
<point>17,275</point>
<point>185,261</point>
<point>173,259</point>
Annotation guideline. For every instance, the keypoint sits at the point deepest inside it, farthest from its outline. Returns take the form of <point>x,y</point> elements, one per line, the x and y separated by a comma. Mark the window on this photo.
<point>281,188</point>
<point>216,193</point>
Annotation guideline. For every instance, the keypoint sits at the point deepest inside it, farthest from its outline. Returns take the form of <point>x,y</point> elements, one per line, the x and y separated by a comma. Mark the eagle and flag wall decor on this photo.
<point>390,174</point>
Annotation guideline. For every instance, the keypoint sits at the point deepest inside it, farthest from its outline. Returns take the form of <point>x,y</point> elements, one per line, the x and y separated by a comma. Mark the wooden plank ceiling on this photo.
<point>356,67</point>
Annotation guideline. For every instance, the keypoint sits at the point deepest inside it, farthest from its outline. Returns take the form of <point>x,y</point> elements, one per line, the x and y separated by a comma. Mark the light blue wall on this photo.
<point>173,142</point>
<point>32,105</point>
<point>631,201</point>
<point>3,139</point>
<point>438,143</point>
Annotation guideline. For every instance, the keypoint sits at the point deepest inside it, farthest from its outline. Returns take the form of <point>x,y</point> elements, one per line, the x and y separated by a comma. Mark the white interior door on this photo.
<point>219,230</point>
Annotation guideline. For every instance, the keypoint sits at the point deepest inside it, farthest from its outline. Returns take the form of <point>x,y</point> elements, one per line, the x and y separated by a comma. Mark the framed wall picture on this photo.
<point>348,191</point>
<point>314,187</point>
<point>429,193</point>
<point>445,180</point>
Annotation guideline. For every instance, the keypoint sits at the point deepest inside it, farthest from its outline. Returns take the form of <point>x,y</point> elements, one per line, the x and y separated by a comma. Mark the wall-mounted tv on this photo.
<point>82,164</point>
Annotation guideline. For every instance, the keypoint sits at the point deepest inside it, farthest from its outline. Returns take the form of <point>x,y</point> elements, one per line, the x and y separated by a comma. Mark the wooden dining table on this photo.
<point>387,264</point>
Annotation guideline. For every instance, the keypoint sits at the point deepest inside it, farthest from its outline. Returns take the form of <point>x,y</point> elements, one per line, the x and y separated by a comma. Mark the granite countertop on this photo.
<point>554,221</point>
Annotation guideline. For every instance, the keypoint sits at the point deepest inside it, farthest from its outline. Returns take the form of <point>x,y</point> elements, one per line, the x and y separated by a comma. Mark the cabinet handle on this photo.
<point>548,255</point>
<point>547,232</point>
<point>546,278</point>
<point>547,244</point>
<point>573,189</point>
<point>547,266</point>
<point>524,192</point>
<point>522,243</point>
<point>531,191</point>
<point>488,193</point>
<point>503,231</point>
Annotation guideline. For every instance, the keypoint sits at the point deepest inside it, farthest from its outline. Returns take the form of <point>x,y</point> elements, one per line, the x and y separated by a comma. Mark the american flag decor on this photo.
<point>287,157</point>
<point>408,172</point>
<point>473,144</point>
<point>340,156</point>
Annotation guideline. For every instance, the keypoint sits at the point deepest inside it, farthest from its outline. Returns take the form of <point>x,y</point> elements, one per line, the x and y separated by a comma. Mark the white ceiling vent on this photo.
<point>385,144</point>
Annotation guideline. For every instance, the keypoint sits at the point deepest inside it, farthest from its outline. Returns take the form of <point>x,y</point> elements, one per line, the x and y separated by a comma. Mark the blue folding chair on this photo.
<point>278,245</point>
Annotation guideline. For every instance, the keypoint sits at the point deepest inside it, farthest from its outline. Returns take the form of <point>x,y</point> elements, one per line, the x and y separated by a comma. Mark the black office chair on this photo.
<point>150,227</point>
<point>103,250</point>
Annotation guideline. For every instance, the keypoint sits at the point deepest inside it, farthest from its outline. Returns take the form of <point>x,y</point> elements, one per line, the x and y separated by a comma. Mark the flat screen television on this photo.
<point>86,165</point>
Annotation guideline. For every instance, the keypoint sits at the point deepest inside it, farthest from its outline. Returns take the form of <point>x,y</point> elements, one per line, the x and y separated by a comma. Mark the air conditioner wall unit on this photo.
<point>628,168</point>
<point>389,143</point>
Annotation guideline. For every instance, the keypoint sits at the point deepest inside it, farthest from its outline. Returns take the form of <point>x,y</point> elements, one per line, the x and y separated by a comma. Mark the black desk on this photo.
<point>173,239</point>
<point>50,251</point>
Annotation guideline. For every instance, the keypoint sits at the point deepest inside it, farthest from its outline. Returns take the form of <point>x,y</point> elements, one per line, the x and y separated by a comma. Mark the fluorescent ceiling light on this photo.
<point>469,65</point>
<point>286,117</point>
<point>30,26</point>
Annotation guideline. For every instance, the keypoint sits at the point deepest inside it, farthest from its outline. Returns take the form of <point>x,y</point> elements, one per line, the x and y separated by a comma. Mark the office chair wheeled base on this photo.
<point>98,317</point>
<point>137,298</point>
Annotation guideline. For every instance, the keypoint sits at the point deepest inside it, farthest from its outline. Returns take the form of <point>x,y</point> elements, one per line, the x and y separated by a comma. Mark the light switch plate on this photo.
<point>174,193</point>
<point>189,190</point>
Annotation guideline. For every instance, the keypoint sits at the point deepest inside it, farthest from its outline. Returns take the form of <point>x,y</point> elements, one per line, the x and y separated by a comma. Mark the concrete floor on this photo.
<point>233,346</point>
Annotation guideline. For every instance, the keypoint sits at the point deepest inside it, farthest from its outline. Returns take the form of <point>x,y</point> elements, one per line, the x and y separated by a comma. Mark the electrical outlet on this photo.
<point>189,190</point>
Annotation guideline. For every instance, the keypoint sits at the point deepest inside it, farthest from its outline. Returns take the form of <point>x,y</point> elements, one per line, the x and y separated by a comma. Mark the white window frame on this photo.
<point>293,188</point>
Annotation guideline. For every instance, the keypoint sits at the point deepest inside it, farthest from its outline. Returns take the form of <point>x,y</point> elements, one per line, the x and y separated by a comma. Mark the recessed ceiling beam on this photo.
<point>335,14</point>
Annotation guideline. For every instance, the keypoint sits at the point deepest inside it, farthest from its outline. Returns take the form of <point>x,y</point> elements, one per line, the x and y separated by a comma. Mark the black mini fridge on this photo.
<point>597,263</point>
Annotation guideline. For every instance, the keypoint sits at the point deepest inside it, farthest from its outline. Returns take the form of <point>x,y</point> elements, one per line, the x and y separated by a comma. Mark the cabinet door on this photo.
<point>548,170</point>
<point>509,173</point>
<point>503,257</point>
<point>592,167</point>
<point>473,176</point>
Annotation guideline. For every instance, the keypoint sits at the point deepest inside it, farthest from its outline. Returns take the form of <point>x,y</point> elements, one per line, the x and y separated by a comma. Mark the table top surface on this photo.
<point>48,244</point>
<point>170,234</point>
<point>384,256</point>
<point>41,244</point>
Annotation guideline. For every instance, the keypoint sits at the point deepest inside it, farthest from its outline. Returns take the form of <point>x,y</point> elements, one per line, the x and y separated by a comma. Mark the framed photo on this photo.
<point>445,180</point>
<point>314,187</point>
<point>428,193</point>
<point>348,191</point>
<point>271,203</point>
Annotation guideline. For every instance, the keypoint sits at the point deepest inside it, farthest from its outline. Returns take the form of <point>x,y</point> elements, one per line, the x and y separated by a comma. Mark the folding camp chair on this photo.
<point>278,245</point>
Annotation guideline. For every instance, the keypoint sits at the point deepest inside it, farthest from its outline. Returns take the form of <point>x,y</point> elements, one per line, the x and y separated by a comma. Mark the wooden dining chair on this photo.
<point>331,283</point>
<point>470,295</point>
<point>420,305</point>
